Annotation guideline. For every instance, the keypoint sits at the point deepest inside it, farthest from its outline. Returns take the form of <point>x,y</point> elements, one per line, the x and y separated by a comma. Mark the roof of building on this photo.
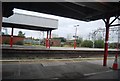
<point>18,20</point>
<point>86,11</point>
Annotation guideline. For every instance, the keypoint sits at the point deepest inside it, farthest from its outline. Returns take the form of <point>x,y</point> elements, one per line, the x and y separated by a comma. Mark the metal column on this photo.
<point>106,42</point>
<point>107,25</point>
<point>11,38</point>
<point>1,15</point>
<point>50,38</point>
<point>47,40</point>
<point>75,43</point>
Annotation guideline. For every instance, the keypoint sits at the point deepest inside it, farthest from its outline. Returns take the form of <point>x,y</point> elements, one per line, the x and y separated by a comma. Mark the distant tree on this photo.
<point>36,39</point>
<point>87,43</point>
<point>21,34</point>
<point>112,45</point>
<point>3,33</point>
<point>60,38</point>
<point>99,44</point>
<point>63,39</point>
<point>6,41</point>
<point>79,41</point>
<point>19,43</point>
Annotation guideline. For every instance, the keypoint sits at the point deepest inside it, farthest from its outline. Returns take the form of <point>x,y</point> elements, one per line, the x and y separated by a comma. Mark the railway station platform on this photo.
<point>53,52</point>
<point>52,48</point>
<point>57,70</point>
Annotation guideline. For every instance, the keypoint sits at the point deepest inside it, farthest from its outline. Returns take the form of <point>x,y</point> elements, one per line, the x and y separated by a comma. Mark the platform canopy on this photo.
<point>31,22</point>
<point>85,11</point>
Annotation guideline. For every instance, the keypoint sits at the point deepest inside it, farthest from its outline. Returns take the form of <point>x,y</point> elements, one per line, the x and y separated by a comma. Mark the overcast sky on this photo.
<point>65,26</point>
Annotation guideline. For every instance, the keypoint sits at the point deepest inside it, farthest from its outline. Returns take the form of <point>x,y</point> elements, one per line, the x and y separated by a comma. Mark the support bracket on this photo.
<point>114,20</point>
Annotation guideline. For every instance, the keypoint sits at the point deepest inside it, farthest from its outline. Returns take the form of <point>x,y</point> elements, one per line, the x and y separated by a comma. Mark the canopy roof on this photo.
<point>30,22</point>
<point>86,11</point>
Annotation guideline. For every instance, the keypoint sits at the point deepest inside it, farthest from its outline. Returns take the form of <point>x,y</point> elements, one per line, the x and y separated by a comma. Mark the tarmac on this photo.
<point>58,70</point>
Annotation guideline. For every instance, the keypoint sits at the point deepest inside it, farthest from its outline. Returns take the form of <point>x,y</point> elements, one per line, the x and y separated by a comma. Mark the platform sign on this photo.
<point>75,36</point>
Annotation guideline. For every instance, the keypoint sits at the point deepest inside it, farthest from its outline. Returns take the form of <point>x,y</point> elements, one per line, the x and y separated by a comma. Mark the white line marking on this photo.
<point>96,73</point>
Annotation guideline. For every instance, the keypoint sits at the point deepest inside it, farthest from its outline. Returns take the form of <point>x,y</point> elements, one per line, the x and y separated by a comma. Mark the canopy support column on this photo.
<point>50,38</point>
<point>47,39</point>
<point>75,43</point>
<point>11,38</point>
<point>107,25</point>
<point>106,42</point>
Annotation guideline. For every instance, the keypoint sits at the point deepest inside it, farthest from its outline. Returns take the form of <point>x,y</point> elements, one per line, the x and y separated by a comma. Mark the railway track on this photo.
<point>47,53</point>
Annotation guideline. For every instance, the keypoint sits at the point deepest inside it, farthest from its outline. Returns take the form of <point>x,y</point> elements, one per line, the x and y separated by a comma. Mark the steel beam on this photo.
<point>118,18</point>
<point>104,21</point>
<point>114,19</point>
<point>115,25</point>
<point>95,6</point>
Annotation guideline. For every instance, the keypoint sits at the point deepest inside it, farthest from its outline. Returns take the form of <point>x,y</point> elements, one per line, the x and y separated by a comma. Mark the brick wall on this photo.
<point>15,39</point>
<point>55,42</point>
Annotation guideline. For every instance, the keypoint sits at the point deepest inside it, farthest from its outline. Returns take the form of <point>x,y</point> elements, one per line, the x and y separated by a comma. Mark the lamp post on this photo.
<point>75,43</point>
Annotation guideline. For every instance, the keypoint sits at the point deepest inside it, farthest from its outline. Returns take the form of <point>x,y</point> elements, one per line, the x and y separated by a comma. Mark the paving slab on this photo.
<point>53,63</point>
<point>86,67</point>
<point>105,75</point>
<point>54,71</point>
<point>109,62</point>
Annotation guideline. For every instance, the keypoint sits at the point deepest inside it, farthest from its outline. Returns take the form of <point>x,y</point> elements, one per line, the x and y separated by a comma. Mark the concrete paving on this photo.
<point>105,75</point>
<point>111,74</point>
<point>55,70</point>
<point>109,62</point>
<point>53,48</point>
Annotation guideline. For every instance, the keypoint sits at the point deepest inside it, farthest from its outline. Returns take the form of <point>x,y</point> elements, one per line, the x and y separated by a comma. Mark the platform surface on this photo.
<point>53,48</point>
<point>57,70</point>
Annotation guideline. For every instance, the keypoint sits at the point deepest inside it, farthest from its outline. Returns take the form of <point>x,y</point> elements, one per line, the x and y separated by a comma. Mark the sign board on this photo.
<point>75,36</point>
